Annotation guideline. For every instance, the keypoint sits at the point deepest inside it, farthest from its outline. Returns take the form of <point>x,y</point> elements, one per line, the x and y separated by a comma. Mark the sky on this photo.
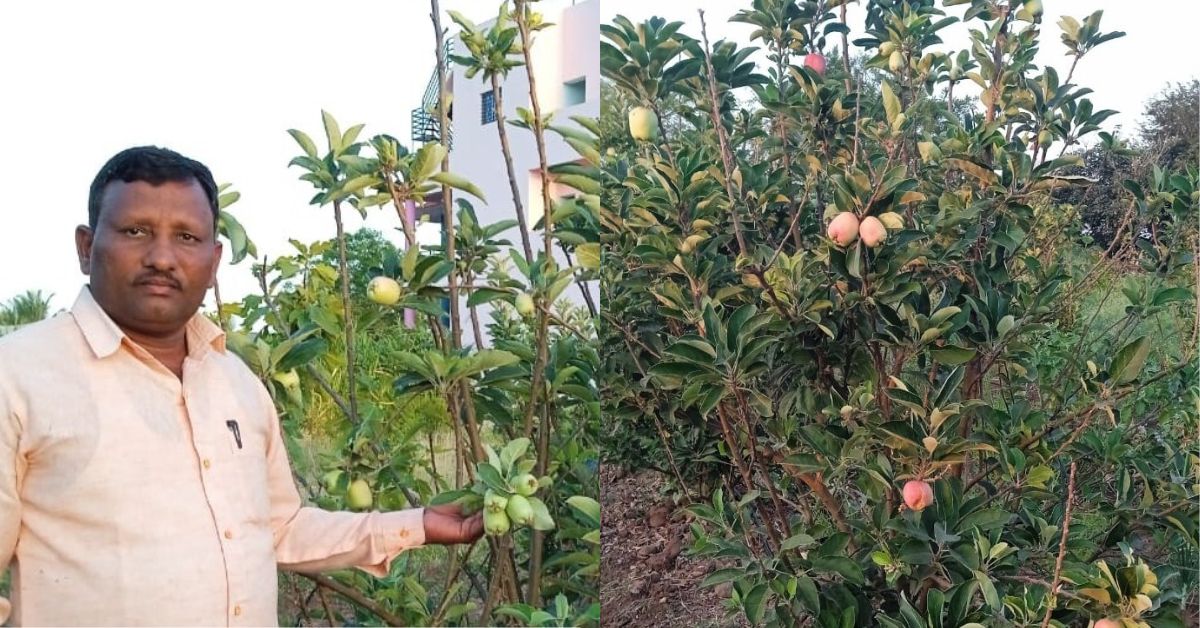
<point>1123,73</point>
<point>82,81</point>
<point>85,80</point>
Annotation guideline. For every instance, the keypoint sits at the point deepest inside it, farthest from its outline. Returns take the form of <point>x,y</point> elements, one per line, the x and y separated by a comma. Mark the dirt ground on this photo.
<point>646,578</point>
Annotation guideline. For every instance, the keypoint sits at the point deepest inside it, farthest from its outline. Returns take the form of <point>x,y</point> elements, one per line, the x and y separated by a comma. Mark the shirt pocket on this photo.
<point>247,449</point>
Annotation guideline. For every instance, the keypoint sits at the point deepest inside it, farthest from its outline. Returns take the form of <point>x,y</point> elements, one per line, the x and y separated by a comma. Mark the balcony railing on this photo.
<point>426,119</point>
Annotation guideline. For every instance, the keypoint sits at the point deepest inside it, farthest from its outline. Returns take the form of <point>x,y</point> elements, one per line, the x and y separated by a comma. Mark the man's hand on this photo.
<point>446,525</point>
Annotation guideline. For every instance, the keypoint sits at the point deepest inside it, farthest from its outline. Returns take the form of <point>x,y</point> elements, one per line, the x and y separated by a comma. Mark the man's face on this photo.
<point>152,256</point>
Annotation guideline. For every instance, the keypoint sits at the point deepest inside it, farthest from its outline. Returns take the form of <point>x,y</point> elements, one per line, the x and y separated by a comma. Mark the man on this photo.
<point>143,476</point>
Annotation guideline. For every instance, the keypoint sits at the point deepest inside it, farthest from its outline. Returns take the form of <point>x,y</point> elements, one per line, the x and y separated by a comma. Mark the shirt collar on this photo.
<point>104,336</point>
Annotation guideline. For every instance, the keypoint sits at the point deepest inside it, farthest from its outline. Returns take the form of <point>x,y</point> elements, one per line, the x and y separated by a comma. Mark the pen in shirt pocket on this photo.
<point>237,434</point>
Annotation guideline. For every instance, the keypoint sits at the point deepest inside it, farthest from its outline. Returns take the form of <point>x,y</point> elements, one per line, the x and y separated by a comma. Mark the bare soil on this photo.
<point>647,578</point>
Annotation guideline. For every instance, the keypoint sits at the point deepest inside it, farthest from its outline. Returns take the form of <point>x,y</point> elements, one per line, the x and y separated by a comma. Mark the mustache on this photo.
<point>159,278</point>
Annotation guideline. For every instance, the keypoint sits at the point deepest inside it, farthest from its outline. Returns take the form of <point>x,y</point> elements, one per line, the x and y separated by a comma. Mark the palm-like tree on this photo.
<point>29,307</point>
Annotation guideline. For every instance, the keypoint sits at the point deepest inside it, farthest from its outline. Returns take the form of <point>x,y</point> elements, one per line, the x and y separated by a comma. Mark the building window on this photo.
<point>575,92</point>
<point>487,108</point>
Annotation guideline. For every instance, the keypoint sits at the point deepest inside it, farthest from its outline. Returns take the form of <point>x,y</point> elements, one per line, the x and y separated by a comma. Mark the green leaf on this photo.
<point>332,133</point>
<point>1005,325</point>
<point>490,359</point>
<point>239,244</point>
<point>929,151</point>
<point>952,355</point>
<point>1128,362</point>
<point>492,479</point>
<point>302,354</point>
<point>541,515</point>
<point>722,575</point>
<point>485,295</point>
<point>449,497</point>
<point>846,567</point>
<point>804,463</point>
<point>458,182</point>
<point>891,104</point>
<point>943,315</point>
<point>809,594</point>
<point>754,603</point>
<point>988,589</point>
<point>227,199</point>
<point>854,262</point>
<point>981,173</point>
<point>425,162</point>
<point>985,520</point>
<point>589,507</point>
<point>326,320</point>
<point>799,540</point>
<point>305,142</point>
<point>1038,476</point>
<point>1169,295</point>
<point>587,185</point>
<point>588,255</point>
<point>916,552</point>
<point>512,451</point>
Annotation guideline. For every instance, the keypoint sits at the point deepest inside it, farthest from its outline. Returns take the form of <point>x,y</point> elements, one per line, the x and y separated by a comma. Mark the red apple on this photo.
<point>918,495</point>
<point>815,61</point>
<point>1107,623</point>
<point>872,232</point>
<point>843,229</point>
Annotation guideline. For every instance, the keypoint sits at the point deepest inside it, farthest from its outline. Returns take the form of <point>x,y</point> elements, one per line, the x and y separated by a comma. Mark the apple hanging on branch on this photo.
<point>383,290</point>
<point>816,62</point>
<point>843,229</point>
<point>918,495</point>
<point>643,124</point>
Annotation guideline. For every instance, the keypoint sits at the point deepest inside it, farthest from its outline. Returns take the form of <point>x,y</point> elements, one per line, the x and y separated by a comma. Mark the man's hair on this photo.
<point>155,166</point>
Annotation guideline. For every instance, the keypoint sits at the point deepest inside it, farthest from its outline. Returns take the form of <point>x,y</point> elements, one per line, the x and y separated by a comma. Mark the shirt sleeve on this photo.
<point>312,540</point>
<point>12,470</point>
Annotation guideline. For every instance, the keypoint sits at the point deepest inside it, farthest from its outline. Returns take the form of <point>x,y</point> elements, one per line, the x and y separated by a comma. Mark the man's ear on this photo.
<point>218,248</point>
<point>83,247</point>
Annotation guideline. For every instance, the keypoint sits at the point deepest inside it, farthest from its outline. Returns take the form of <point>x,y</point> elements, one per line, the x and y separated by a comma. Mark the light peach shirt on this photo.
<point>126,500</point>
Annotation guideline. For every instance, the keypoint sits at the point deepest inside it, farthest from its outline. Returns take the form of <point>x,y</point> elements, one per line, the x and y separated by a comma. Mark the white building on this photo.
<point>566,62</point>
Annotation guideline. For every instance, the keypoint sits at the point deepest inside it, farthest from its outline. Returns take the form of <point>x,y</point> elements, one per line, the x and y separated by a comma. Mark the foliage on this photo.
<point>798,384</point>
<point>28,307</point>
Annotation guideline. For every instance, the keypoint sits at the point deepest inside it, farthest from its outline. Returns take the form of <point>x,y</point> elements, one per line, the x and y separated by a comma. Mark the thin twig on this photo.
<point>1062,549</point>
<point>791,228</point>
<point>325,605</point>
<point>726,154</point>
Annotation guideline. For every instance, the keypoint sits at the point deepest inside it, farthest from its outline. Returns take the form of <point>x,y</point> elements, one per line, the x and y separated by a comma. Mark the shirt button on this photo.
<point>237,610</point>
<point>229,534</point>
<point>207,463</point>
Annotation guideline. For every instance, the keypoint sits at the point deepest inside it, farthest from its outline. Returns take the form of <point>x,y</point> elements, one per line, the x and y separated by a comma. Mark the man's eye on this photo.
<point>189,237</point>
<point>134,231</point>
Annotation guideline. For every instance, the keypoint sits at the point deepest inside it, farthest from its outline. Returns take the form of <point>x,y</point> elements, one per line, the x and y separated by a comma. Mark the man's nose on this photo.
<point>161,254</point>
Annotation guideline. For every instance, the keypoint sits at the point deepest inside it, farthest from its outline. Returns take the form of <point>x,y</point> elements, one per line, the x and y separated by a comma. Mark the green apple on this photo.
<point>643,124</point>
<point>289,379</point>
<point>525,484</point>
<point>495,523</point>
<point>519,510</point>
<point>524,304</point>
<point>493,502</point>
<point>383,290</point>
<point>358,496</point>
<point>330,480</point>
